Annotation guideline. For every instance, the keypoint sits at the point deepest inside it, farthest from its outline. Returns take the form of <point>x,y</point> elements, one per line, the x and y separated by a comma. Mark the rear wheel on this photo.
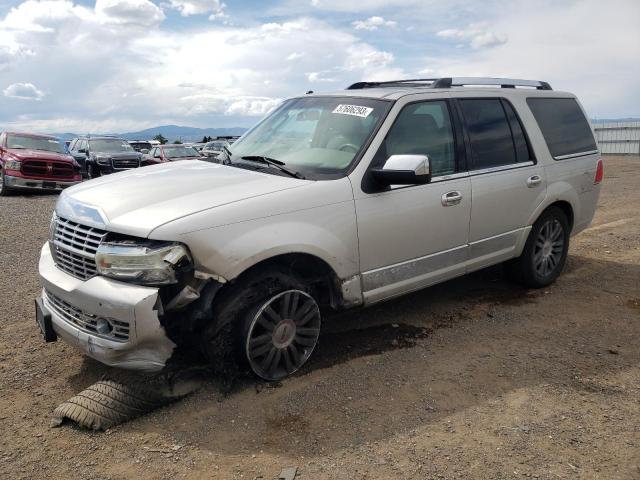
<point>545,252</point>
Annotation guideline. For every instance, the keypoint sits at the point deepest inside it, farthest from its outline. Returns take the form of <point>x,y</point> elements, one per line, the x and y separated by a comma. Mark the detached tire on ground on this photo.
<point>545,252</point>
<point>108,403</point>
<point>275,323</point>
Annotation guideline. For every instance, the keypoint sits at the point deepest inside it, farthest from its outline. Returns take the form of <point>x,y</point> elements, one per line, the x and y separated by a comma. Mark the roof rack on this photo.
<point>448,82</point>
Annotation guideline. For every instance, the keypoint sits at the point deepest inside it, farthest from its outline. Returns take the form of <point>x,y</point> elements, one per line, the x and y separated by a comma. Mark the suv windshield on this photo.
<point>215,146</point>
<point>110,145</point>
<point>180,152</point>
<point>318,136</point>
<point>34,143</point>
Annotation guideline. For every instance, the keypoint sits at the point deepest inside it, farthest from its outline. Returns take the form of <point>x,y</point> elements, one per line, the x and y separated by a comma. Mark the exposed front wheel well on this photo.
<point>314,272</point>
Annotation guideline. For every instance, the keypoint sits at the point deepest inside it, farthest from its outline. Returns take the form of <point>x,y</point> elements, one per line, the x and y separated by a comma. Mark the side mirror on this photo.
<point>82,150</point>
<point>404,170</point>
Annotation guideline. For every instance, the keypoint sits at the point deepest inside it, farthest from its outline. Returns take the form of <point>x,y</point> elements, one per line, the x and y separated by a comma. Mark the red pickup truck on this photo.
<point>30,161</point>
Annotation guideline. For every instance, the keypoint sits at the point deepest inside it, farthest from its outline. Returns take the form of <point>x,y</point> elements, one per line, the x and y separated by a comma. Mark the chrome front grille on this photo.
<point>125,163</point>
<point>88,322</point>
<point>74,247</point>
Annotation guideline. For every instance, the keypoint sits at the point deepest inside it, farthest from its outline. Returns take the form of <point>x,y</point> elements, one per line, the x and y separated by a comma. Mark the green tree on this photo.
<point>160,138</point>
<point>206,139</point>
<point>177,142</point>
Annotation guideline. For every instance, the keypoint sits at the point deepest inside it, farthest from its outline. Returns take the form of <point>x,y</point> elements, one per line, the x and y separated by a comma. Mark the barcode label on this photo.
<point>356,110</point>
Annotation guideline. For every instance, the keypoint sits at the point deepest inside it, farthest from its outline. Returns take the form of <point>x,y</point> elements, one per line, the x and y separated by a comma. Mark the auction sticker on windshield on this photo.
<point>356,110</point>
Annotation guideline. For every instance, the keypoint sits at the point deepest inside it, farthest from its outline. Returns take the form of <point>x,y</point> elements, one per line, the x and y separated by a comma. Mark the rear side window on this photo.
<point>563,125</point>
<point>489,133</point>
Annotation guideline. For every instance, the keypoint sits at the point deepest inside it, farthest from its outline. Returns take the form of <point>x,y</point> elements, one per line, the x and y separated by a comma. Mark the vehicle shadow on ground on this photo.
<point>416,359</point>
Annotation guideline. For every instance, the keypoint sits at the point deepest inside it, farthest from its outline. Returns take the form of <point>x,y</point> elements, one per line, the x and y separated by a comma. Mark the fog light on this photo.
<point>103,326</point>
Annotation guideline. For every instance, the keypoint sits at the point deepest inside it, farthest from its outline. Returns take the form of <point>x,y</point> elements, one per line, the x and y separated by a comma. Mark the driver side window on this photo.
<point>423,128</point>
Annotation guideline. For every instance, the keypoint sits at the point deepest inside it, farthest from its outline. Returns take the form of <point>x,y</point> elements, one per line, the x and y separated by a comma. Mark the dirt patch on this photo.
<point>480,379</point>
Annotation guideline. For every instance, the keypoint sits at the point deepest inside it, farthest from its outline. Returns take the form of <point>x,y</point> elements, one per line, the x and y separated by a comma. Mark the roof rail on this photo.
<point>448,82</point>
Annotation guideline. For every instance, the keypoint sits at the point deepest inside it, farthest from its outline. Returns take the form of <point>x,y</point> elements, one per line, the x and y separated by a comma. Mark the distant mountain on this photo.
<point>170,132</point>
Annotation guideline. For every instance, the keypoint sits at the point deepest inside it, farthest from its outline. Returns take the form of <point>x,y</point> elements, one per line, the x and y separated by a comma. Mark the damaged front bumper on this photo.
<point>113,322</point>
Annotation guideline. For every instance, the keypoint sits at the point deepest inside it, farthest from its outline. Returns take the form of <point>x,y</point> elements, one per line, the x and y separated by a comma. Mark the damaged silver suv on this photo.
<point>332,201</point>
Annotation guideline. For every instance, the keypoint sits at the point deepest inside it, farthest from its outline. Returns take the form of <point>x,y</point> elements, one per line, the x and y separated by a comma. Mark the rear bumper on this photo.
<point>71,301</point>
<point>30,184</point>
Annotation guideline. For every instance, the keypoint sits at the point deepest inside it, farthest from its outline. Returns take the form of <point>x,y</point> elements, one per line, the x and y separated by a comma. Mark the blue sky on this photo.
<point>121,65</point>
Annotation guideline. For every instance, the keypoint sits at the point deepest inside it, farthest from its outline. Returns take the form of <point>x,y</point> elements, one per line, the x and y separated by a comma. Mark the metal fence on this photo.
<point>621,138</point>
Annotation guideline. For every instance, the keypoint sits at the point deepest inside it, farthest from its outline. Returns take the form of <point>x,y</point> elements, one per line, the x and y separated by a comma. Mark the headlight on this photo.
<point>144,263</point>
<point>12,164</point>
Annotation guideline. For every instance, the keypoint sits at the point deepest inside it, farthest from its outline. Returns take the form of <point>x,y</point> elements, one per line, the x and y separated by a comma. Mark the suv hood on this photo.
<point>24,154</point>
<point>137,201</point>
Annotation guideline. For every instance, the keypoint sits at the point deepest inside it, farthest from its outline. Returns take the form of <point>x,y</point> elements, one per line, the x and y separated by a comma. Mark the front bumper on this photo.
<point>73,303</point>
<point>30,184</point>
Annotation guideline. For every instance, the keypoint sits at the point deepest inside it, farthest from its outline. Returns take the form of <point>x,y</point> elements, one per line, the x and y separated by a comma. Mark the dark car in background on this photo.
<point>171,153</point>
<point>102,155</point>
<point>31,161</point>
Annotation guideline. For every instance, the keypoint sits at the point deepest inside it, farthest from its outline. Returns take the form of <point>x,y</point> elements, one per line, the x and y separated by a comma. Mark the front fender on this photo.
<point>328,233</point>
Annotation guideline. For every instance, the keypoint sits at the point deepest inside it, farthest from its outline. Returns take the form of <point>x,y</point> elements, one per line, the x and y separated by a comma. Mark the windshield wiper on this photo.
<point>274,163</point>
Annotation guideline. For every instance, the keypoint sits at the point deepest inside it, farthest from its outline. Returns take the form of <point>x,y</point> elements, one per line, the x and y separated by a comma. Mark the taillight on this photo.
<point>599,172</point>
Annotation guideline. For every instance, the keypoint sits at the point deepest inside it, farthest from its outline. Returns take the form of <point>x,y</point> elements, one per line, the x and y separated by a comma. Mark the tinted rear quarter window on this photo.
<point>563,125</point>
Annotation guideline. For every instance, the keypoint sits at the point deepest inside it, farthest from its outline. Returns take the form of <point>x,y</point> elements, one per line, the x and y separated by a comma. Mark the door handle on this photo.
<point>534,181</point>
<point>451,198</point>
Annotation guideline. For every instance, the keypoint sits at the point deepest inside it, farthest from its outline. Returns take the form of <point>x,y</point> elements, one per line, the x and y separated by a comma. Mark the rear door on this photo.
<point>507,182</point>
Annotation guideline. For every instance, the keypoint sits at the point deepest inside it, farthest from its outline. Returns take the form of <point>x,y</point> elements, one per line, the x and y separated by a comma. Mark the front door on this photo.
<point>414,236</point>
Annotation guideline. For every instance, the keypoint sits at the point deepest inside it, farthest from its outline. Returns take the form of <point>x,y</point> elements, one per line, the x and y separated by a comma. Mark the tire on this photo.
<point>108,403</point>
<point>92,171</point>
<point>4,190</point>
<point>275,324</point>
<point>545,253</point>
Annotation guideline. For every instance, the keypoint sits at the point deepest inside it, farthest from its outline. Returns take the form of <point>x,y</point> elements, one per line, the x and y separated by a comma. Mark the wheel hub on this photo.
<point>284,333</point>
<point>546,248</point>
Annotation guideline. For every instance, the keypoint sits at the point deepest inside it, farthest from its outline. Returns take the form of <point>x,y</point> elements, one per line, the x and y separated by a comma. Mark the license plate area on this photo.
<point>43,319</point>
<point>49,185</point>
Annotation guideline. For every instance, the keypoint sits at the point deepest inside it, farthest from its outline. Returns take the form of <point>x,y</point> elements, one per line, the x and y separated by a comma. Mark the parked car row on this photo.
<point>34,161</point>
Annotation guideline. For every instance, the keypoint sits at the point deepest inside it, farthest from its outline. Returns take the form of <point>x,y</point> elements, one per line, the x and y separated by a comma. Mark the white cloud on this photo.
<point>565,53</point>
<point>118,66</point>
<point>199,7</point>
<point>136,12</point>
<point>43,16</point>
<point>373,23</point>
<point>23,91</point>
<point>295,56</point>
<point>478,36</point>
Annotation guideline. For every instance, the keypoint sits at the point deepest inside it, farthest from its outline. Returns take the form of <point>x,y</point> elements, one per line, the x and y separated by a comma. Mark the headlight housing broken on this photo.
<point>144,262</point>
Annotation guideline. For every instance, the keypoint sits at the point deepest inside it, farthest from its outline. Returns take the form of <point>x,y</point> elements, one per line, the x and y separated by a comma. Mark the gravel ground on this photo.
<point>475,378</point>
